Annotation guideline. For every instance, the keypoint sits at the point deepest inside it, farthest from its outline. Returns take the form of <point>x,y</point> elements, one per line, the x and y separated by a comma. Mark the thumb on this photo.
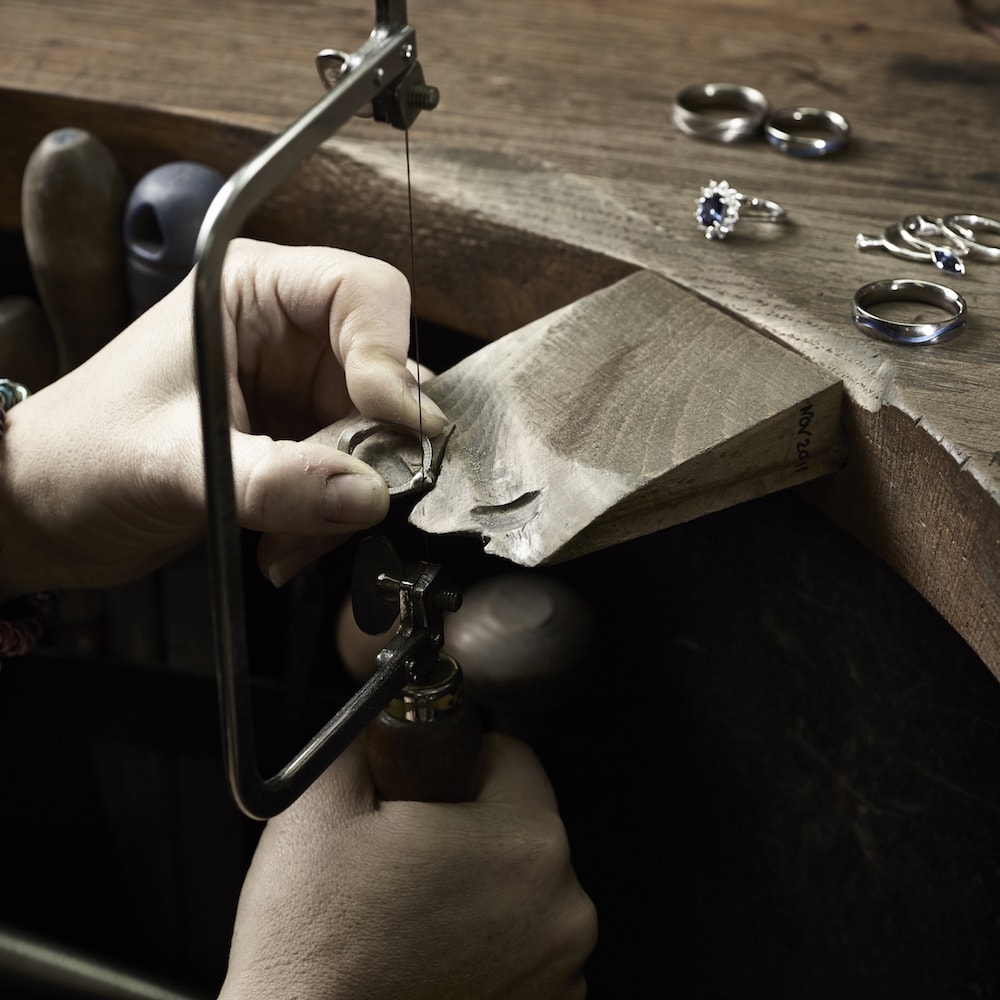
<point>302,492</point>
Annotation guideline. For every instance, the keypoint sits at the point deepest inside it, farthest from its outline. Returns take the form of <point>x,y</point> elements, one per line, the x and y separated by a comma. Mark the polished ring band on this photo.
<point>966,227</point>
<point>807,131</point>
<point>737,112</point>
<point>720,206</point>
<point>909,290</point>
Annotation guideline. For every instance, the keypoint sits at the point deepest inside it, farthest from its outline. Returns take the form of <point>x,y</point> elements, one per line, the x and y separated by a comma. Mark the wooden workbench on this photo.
<point>552,167</point>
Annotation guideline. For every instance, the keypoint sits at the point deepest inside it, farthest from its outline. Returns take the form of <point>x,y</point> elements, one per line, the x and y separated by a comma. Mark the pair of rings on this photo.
<point>944,242</point>
<point>729,112</point>
<point>917,331</point>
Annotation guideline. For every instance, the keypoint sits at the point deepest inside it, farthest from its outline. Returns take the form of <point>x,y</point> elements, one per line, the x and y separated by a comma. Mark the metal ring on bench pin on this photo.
<point>807,132</point>
<point>720,206</point>
<point>749,107</point>
<point>909,290</point>
<point>964,227</point>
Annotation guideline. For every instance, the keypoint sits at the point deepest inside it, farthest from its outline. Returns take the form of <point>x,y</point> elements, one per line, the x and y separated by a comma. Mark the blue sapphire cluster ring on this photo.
<point>720,206</point>
<point>920,330</point>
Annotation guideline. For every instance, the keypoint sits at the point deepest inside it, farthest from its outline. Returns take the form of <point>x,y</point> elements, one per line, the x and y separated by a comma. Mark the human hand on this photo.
<point>352,897</point>
<point>103,475</point>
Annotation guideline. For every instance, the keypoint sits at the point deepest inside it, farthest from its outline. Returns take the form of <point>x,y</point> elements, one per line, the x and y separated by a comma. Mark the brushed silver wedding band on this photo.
<point>909,290</point>
<point>739,112</point>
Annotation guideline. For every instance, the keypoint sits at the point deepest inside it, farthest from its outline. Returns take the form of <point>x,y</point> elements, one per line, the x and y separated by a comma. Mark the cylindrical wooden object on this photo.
<point>72,201</point>
<point>425,746</point>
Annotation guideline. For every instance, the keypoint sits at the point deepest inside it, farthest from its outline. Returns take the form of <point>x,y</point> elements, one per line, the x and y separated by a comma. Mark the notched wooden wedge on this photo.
<point>635,408</point>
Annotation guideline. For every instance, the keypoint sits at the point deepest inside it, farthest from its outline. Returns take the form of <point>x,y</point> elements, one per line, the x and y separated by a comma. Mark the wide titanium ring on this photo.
<point>749,108</point>
<point>807,131</point>
<point>909,290</point>
<point>965,227</point>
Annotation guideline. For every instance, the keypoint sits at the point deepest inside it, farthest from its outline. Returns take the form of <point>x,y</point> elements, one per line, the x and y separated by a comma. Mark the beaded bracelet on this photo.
<point>23,619</point>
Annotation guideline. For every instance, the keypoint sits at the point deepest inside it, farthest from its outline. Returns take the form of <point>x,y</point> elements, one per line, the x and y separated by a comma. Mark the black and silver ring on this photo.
<point>807,131</point>
<point>909,290</point>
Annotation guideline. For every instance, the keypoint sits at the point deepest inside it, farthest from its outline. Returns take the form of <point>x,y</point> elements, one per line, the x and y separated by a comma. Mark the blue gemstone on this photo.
<point>945,260</point>
<point>712,211</point>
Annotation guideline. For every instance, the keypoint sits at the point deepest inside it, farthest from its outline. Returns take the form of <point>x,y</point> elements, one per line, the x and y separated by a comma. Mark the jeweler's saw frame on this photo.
<point>382,78</point>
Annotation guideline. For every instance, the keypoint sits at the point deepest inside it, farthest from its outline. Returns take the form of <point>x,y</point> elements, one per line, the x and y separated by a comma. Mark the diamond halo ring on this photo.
<point>720,206</point>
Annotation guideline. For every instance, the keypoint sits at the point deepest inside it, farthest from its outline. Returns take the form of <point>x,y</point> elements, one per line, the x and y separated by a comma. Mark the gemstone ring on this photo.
<point>721,206</point>
<point>929,234</point>
<point>720,112</point>
<point>905,243</point>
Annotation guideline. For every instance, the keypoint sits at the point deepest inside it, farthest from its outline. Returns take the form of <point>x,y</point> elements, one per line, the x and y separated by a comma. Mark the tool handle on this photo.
<point>426,746</point>
<point>72,200</point>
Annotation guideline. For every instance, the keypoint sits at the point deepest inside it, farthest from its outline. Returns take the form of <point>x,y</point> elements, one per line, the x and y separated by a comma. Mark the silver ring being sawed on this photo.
<point>909,290</point>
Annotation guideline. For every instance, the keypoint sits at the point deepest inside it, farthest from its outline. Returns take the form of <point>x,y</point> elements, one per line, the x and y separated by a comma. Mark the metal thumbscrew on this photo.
<point>447,599</point>
<point>423,96</point>
<point>442,598</point>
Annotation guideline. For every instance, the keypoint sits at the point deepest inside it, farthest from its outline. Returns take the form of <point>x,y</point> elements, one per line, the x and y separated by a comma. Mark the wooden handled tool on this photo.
<point>425,744</point>
<point>163,216</point>
<point>72,200</point>
<point>525,640</point>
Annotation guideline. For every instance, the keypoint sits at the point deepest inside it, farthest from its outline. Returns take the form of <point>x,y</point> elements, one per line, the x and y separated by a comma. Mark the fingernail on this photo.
<point>431,414</point>
<point>354,498</point>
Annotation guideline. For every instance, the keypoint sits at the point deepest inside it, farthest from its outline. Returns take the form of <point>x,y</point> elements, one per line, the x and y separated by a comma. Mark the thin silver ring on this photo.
<point>927,231</point>
<point>720,206</point>
<point>807,132</point>
<point>964,227</point>
<point>749,108</point>
<point>909,290</point>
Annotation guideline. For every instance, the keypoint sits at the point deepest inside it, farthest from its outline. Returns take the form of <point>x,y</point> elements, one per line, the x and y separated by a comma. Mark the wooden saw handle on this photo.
<point>426,745</point>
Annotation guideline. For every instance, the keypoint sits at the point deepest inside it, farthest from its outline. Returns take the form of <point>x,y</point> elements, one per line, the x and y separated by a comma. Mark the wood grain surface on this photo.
<point>552,168</point>
<point>633,409</point>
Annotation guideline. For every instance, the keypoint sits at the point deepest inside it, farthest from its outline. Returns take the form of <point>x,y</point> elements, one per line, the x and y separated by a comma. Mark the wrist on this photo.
<point>23,616</point>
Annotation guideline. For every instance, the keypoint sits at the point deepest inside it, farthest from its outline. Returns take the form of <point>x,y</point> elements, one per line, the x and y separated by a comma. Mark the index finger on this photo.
<point>312,319</point>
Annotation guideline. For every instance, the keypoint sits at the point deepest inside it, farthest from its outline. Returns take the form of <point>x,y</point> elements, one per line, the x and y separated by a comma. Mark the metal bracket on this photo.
<point>384,73</point>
